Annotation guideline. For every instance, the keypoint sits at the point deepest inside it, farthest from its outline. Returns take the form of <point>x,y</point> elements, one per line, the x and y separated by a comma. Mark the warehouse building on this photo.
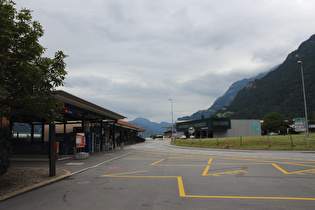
<point>219,128</point>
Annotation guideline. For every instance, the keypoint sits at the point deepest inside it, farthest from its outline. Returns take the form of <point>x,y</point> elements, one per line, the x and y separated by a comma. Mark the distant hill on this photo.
<point>224,100</point>
<point>152,128</point>
<point>280,90</point>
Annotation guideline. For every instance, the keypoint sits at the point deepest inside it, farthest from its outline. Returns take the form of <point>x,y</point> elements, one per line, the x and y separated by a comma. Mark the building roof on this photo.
<point>82,108</point>
<point>130,126</point>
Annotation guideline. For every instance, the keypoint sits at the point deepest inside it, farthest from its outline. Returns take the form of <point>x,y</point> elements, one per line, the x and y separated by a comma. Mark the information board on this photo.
<point>80,140</point>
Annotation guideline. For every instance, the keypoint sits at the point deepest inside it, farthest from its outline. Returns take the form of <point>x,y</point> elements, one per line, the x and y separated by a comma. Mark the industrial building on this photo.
<point>219,128</point>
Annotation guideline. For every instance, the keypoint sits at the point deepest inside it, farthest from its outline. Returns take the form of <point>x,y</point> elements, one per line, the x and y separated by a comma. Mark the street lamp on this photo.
<point>306,123</point>
<point>172,115</point>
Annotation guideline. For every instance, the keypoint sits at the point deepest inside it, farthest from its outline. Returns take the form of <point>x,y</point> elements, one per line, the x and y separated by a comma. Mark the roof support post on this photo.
<point>52,150</point>
<point>32,136</point>
<point>113,136</point>
<point>43,135</point>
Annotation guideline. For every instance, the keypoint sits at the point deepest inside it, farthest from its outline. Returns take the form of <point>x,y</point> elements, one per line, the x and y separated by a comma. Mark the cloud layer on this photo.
<point>132,56</point>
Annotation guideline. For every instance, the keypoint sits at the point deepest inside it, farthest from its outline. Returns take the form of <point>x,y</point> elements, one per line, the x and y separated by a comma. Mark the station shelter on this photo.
<point>99,126</point>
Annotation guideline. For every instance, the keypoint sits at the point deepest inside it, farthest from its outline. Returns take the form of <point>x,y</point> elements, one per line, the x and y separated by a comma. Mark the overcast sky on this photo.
<point>131,56</point>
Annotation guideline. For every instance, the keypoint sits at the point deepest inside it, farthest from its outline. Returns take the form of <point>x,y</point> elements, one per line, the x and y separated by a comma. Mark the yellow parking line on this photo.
<point>294,172</point>
<point>157,162</point>
<point>303,172</point>
<point>206,171</point>
<point>182,192</point>
<point>248,197</point>
<point>280,169</point>
<point>181,187</point>
<point>228,172</point>
<point>209,161</point>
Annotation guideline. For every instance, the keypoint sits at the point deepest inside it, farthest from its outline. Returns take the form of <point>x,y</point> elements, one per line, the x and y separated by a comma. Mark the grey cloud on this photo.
<point>131,56</point>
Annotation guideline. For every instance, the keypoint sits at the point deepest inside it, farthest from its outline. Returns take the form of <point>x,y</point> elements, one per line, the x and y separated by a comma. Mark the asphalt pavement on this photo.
<point>68,163</point>
<point>155,175</point>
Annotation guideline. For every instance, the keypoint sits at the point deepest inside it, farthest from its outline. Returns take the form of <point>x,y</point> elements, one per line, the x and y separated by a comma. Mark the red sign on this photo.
<point>80,140</point>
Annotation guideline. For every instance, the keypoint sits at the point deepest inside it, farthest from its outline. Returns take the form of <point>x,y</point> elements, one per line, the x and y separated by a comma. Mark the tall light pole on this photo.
<point>172,115</point>
<point>305,108</point>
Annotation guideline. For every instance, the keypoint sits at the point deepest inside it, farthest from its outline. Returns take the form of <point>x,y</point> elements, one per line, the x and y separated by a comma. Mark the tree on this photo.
<point>274,122</point>
<point>27,79</point>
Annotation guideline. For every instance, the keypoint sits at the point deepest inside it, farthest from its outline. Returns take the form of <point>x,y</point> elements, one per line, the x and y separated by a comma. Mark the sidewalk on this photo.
<point>68,164</point>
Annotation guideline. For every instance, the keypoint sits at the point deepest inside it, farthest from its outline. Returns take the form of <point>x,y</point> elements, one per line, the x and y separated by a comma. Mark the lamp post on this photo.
<point>171,100</point>
<point>305,108</point>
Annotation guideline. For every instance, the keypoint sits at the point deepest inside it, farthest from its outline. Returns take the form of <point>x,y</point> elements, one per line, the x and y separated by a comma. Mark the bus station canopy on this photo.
<point>79,109</point>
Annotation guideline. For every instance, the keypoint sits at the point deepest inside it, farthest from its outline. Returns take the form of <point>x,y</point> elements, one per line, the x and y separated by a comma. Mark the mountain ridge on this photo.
<point>153,128</point>
<point>225,99</point>
<point>280,90</point>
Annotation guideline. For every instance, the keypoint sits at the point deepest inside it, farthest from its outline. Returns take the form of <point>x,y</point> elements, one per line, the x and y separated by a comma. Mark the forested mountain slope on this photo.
<point>280,90</point>
<point>225,99</point>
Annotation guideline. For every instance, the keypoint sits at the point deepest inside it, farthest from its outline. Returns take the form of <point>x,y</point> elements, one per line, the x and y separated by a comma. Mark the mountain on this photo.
<point>152,128</point>
<point>224,100</point>
<point>280,90</point>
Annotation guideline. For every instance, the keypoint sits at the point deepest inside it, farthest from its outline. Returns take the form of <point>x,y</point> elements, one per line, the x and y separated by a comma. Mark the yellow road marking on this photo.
<point>189,158</point>
<point>223,156</point>
<point>294,172</point>
<point>304,171</point>
<point>206,171</point>
<point>228,172</point>
<point>181,187</point>
<point>258,161</point>
<point>209,162</point>
<point>280,169</point>
<point>248,197</point>
<point>182,192</point>
<point>157,162</point>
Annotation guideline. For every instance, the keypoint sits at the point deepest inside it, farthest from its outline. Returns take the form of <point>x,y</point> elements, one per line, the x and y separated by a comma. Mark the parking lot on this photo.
<point>152,175</point>
<point>228,177</point>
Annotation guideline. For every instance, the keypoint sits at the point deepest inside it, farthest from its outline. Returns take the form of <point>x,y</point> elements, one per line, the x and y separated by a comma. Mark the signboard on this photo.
<point>80,140</point>
<point>68,111</point>
<point>191,130</point>
<point>300,127</point>
<point>300,119</point>
<point>255,126</point>
<point>299,124</point>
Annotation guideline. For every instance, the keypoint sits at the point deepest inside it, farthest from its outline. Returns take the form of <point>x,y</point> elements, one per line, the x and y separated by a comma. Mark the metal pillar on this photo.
<point>52,150</point>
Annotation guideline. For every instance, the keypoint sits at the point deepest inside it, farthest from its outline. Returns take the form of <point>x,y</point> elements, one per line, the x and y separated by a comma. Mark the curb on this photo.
<point>25,189</point>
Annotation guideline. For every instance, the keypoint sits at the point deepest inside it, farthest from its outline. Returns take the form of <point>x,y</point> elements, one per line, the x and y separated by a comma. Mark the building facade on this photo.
<point>219,128</point>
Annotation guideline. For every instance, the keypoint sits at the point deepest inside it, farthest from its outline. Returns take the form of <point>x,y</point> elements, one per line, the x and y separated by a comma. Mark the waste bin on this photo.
<point>57,147</point>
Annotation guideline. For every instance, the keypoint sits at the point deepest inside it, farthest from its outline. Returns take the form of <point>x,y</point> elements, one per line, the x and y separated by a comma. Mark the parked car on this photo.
<point>273,134</point>
<point>183,137</point>
<point>158,137</point>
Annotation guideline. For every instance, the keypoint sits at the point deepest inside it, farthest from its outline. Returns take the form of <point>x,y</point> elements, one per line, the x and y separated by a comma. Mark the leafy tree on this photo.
<point>26,77</point>
<point>274,122</point>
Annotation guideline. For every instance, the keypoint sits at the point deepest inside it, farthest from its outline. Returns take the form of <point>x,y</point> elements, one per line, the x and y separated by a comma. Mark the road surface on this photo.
<point>154,175</point>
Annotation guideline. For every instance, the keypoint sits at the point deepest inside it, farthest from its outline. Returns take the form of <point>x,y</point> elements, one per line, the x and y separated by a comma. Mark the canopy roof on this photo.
<point>130,126</point>
<point>78,109</point>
